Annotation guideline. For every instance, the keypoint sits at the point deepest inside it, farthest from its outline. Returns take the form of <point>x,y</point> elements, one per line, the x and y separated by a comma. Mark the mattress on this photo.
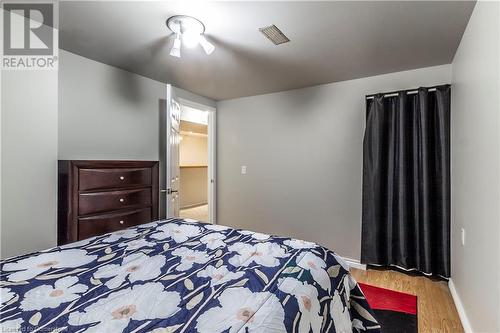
<point>183,276</point>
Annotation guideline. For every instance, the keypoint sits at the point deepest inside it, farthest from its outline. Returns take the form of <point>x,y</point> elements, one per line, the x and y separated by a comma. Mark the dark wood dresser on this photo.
<point>97,197</point>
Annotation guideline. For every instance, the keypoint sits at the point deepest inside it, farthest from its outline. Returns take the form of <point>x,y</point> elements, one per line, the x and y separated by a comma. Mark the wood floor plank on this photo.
<point>436,310</point>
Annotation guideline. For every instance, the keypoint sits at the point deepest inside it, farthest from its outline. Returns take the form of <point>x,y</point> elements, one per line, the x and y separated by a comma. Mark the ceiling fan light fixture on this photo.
<point>176,48</point>
<point>189,32</point>
<point>206,45</point>
<point>190,39</point>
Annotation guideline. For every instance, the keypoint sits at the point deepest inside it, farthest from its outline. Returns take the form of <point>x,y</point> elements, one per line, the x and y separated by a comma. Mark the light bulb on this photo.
<point>190,39</point>
<point>176,48</point>
<point>206,45</point>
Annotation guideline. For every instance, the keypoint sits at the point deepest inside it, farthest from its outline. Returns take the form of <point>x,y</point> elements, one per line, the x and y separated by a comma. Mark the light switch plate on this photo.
<point>243,169</point>
<point>463,236</point>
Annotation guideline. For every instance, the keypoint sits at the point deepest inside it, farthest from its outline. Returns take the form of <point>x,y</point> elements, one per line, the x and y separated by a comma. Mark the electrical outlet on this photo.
<point>243,169</point>
<point>463,236</point>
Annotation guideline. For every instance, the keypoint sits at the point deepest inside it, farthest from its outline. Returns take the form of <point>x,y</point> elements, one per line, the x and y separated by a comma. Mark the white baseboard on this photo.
<point>355,264</point>
<point>460,307</point>
<point>194,205</point>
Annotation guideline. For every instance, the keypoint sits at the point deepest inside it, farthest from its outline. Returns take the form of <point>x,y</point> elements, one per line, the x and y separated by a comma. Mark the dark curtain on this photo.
<point>406,181</point>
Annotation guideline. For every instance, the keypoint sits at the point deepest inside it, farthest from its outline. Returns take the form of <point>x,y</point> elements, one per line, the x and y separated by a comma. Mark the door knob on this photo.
<point>170,191</point>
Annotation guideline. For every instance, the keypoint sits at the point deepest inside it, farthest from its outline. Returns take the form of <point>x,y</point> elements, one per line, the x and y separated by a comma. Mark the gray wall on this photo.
<point>96,111</point>
<point>109,113</point>
<point>475,169</point>
<point>29,157</point>
<point>303,150</point>
<point>106,112</point>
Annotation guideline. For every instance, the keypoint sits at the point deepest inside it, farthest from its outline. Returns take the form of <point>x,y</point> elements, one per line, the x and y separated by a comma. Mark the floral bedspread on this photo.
<point>182,276</point>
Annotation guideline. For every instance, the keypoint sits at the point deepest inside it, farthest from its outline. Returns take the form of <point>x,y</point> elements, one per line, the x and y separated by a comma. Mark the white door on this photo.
<point>173,118</point>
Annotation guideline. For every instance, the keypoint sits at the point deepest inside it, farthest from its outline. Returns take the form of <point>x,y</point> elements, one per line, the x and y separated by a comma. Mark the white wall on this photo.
<point>476,167</point>
<point>106,112</point>
<point>29,161</point>
<point>303,149</point>
<point>193,187</point>
<point>193,150</point>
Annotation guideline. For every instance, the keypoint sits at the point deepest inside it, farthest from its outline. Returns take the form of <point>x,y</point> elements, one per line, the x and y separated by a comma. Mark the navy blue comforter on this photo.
<point>182,276</point>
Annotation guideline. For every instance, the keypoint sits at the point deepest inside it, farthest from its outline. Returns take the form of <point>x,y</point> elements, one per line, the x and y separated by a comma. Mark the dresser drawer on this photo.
<point>96,179</point>
<point>95,195</point>
<point>96,202</point>
<point>101,224</point>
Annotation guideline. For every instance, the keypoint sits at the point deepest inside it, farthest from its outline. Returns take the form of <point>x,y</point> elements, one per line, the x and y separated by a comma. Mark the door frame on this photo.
<point>212,155</point>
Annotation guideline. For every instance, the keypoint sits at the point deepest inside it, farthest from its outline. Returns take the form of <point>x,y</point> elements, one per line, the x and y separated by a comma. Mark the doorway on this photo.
<point>193,164</point>
<point>187,147</point>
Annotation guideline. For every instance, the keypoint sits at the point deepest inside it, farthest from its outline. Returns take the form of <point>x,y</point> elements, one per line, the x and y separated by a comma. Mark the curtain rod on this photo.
<point>409,92</point>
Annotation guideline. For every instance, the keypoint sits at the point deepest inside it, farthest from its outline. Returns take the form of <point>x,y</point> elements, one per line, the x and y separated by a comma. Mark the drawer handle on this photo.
<point>122,200</point>
<point>121,221</point>
<point>122,178</point>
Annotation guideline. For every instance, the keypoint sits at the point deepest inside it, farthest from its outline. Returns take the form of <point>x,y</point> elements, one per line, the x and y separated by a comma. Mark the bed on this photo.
<point>182,276</point>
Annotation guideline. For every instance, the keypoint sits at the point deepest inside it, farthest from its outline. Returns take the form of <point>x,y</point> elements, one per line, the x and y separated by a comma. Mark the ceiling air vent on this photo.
<point>274,34</point>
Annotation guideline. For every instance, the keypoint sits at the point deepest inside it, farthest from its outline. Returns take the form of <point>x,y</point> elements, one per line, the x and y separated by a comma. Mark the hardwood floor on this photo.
<point>436,310</point>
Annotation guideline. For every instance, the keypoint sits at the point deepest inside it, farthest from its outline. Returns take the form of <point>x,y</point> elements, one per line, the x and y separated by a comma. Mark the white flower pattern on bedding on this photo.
<point>241,310</point>
<point>255,235</point>
<point>213,240</point>
<point>114,312</point>
<point>64,290</point>
<point>341,316</point>
<point>147,225</point>
<point>265,254</point>
<point>215,227</point>
<point>306,296</point>
<point>175,276</point>
<point>189,258</point>
<point>11,326</point>
<point>179,233</point>
<point>136,244</point>
<point>122,234</point>
<point>299,244</point>
<point>219,275</point>
<point>136,266</point>
<point>6,295</point>
<point>341,261</point>
<point>316,266</point>
<point>33,266</point>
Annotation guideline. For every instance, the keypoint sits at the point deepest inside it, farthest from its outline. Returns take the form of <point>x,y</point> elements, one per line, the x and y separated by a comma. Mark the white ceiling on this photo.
<point>330,41</point>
